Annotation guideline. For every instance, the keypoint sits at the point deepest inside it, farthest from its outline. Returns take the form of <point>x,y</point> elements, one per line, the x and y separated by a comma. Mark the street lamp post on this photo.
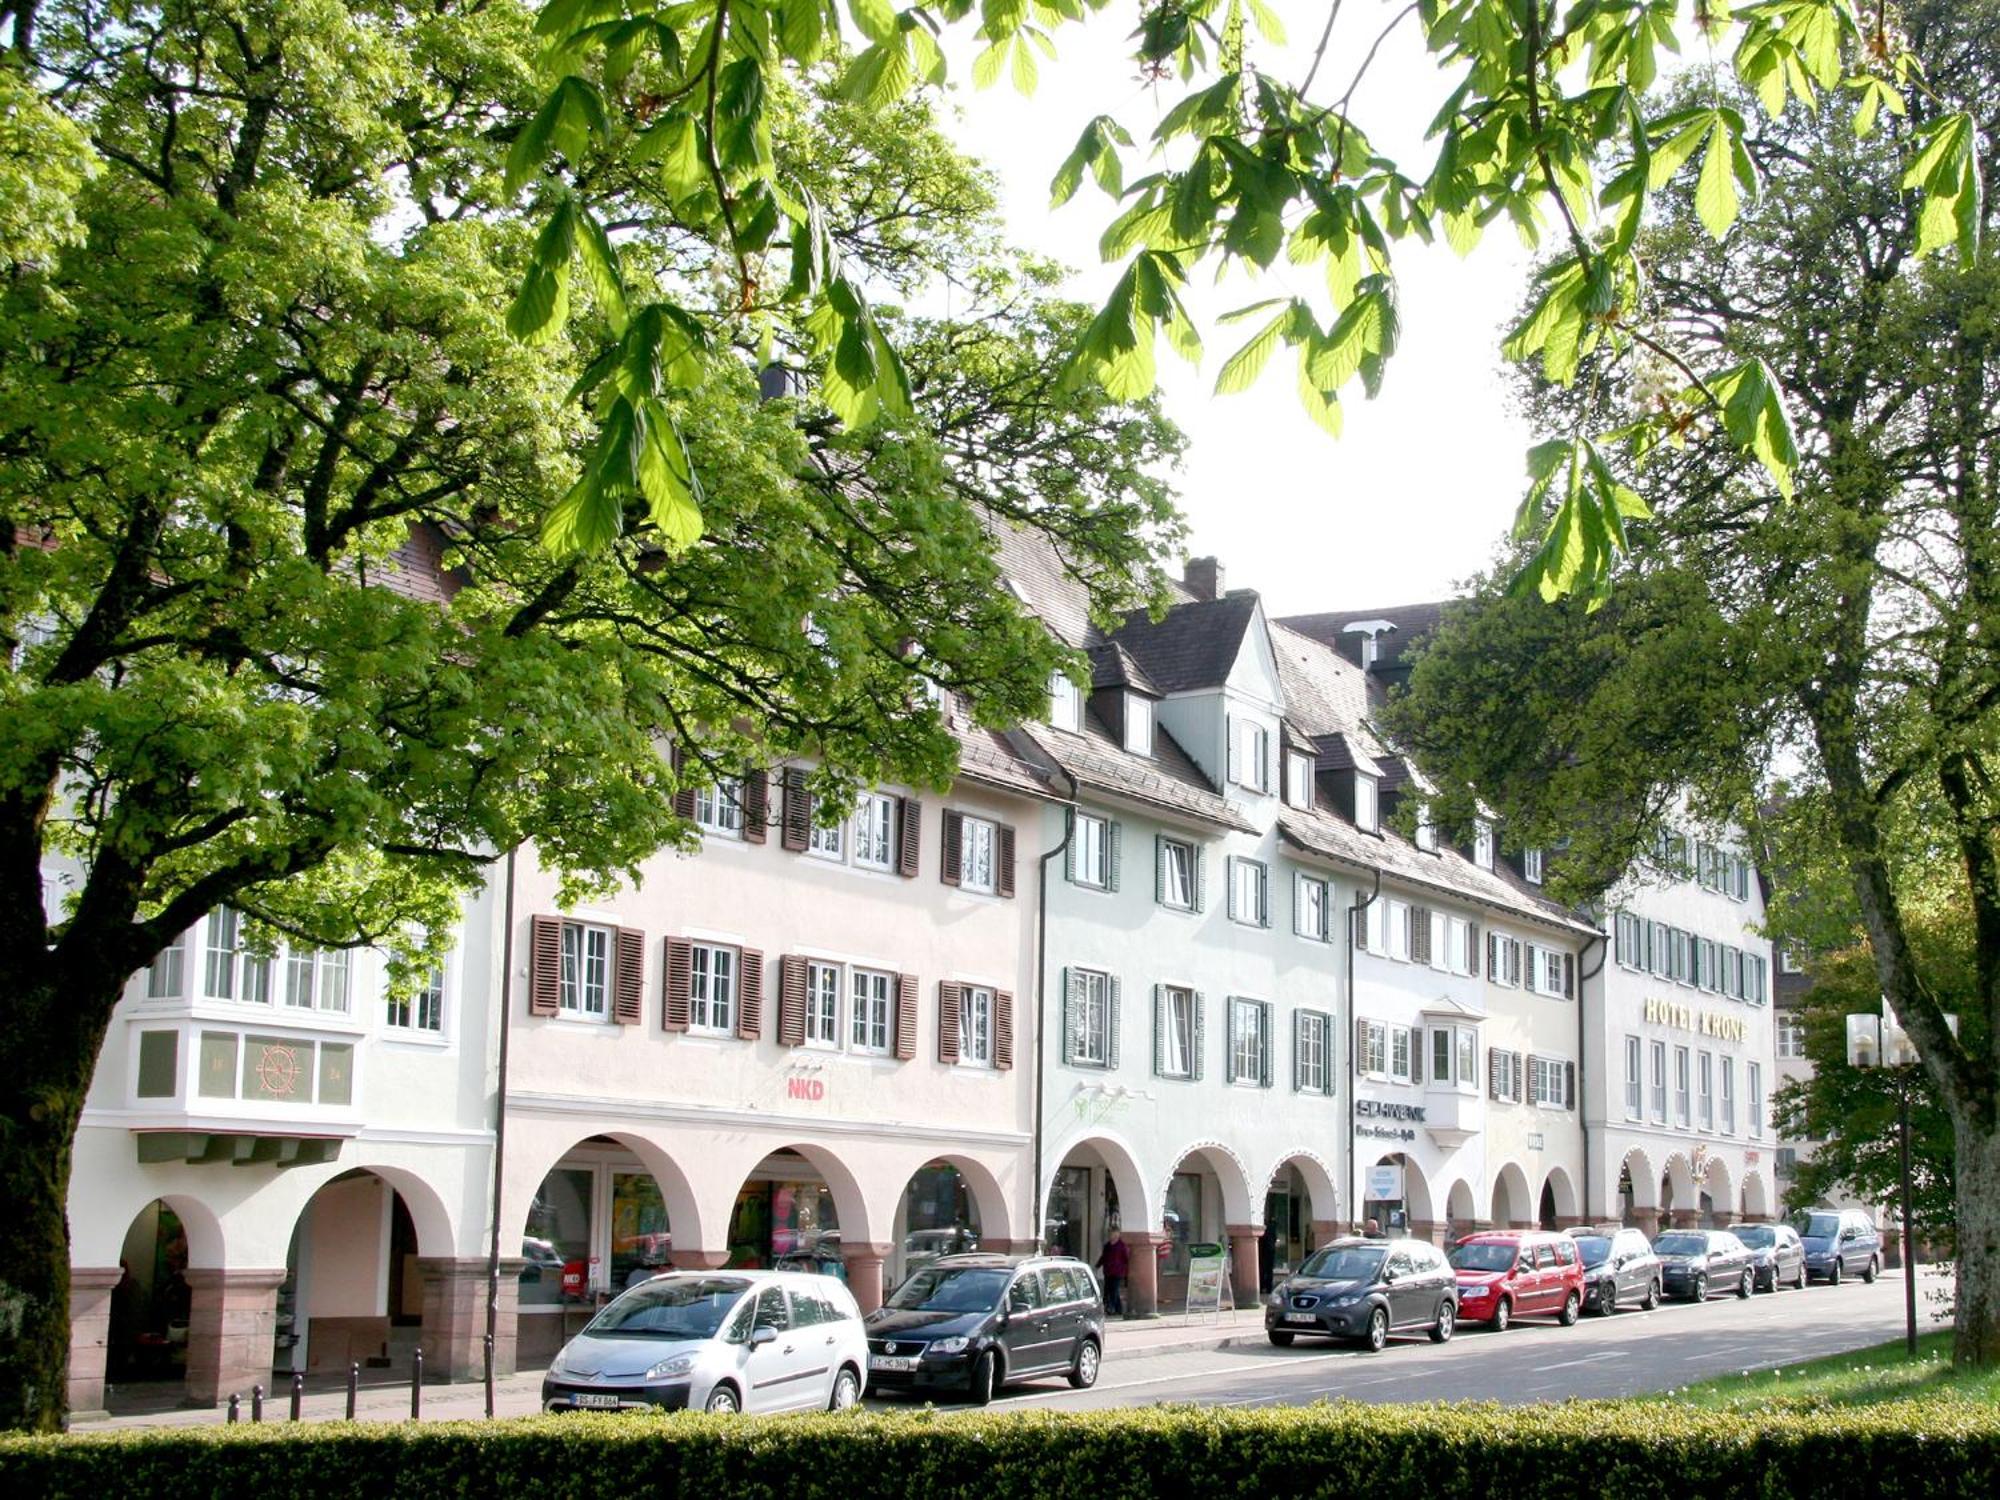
<point>1909,1260</point>
<point>1877,1041</point>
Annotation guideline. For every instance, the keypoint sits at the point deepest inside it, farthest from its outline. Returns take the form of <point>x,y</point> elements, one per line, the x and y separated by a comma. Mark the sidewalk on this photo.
<point>520,1395</point>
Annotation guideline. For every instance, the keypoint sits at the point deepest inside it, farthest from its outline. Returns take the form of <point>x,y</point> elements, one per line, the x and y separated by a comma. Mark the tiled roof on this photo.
<point>1193,645</point>
<point>1011,762</point>
<point>1325,693</point>
<point>1412,621</point>
<point>1345,752</point>
<point>1168,779</point>
<point>1034,569</point>
<point>1111,665</point>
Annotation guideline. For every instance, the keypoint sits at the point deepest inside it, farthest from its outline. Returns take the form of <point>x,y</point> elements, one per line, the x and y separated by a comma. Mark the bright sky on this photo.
<point>1417,493</point>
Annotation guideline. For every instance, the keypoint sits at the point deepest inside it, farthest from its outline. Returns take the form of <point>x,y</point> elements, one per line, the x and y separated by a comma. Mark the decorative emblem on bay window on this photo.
<point>278,1070</point>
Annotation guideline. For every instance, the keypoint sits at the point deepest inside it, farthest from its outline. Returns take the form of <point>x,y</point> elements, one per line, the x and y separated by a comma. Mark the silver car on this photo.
<point>755,1341</point>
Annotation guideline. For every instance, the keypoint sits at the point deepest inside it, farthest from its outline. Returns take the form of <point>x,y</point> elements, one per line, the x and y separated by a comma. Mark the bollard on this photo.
<point>353,1388</point>
<point>489,1377</point>
<point>256,1403</point>
<point>235,1408</point>
<point>298,1392</point>
<point>417,1386</point>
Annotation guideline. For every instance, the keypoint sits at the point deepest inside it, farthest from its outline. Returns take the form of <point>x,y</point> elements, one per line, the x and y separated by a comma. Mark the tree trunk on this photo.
<point>1976,1326</point>
<point>46,1062</point>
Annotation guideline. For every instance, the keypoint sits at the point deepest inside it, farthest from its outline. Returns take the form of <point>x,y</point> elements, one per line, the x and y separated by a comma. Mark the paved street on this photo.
<point>1537,1360</point>
<point>1233,1365</point>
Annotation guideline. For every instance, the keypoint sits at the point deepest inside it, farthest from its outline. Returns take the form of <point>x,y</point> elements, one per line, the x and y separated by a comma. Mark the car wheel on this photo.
<point>1833,1273</point>
<point>1800,1284</point>
<point>723,1399</point>
<point>1874,1269</point>
<point>1607,1297</point>
<point>985,1369</point>
<point>1377,1337</point>
<point>1503,1314</point>
<point>1653,1293</point>
<point>1698,1289</point>
<point>1083,1370</point>
<point>1447,1323</point>
<point>846,1390</point>
<point>1747,1285</point>
<point>1572,1304</point>
<point>1279,1336</point>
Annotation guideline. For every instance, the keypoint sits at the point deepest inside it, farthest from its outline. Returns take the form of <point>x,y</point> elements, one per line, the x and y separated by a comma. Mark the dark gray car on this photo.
<point>1366,1290</point>
<point>1778,1254</point>
<point>1619,1270</point>
<point>1698,1263</point>
<point>969,1324</point>
<point>1839,1242</point>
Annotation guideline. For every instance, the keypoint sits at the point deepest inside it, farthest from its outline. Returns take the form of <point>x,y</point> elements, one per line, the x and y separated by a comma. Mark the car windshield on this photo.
<point>1488,1257</point>
<point>671,1308</point>
<point>1350,1263</point>
<point>1758,1236</point>
<point>1681,1244</point>
<point>1594,1249</point>
<point>952,1289</point>
<point>1817,1226</point>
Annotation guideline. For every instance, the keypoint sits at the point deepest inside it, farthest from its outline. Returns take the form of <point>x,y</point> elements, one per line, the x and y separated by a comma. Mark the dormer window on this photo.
<point>1482,845</point>
<point>1138,724</point>
<point>1299,779</point>
<point>1531,866</point>
<point>1370,646</point>
<point>1427,833</point>
<point>1250,755</point>
<point>1065,703</point>
<point>1367,805</point>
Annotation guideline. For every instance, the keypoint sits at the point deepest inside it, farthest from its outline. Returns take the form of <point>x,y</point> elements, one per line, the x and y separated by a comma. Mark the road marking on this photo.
<point>1588,1359</point>
<point>1238,1370</point>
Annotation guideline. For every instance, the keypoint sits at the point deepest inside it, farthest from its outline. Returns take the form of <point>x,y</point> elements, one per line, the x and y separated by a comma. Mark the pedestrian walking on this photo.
<point>1115,1261</point>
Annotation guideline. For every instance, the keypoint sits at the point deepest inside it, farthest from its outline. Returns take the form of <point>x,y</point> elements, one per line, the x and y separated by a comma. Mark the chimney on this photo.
<point>1203,577</point>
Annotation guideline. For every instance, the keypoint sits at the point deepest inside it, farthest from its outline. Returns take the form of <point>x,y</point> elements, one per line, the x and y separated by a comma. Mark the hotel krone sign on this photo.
<point>1704,1022</point>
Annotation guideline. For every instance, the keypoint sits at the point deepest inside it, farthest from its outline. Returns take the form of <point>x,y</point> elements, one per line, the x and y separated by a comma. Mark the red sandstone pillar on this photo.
<point>1243,1263</point>
<point>1142,1281</point>
<point>864,1273</point>
<point>232,1327</point>
<point>90,1289</point>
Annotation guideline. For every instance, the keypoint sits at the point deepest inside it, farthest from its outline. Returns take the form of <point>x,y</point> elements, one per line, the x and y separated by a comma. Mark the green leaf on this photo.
<point>541,308</point>
<point>986,67</point>
<point>1755,419</point>
<point>1025,71</point>
<point>1715,200</point>
<point>1268,23</point>
<point>1096,149</point>
<point>1946,171</point>
<point>600,260</point>
<point>531,146</point>
<point>802,28</point>
<point>1240,371</point>
<point>584,520</point>
<point>1321,406</point>
<point>875,19</point>
<point>667,479</point>
<point>879,75</point>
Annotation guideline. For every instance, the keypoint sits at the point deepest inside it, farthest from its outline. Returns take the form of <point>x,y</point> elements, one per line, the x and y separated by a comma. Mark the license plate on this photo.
<point>891,1362</point>
<point>597,1398</point>
<point>1300,1318</point>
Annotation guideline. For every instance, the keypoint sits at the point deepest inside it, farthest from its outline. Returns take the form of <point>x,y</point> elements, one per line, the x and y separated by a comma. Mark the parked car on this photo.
<point>1697,1263</point>
<point>1619,1267</point>
<point>1506,1274</point>
<point>969,1324</point>
<point>1776,1254</point>
<point>1839,1242</point>
<point>1366,1290</point>
<point>720,1341</point>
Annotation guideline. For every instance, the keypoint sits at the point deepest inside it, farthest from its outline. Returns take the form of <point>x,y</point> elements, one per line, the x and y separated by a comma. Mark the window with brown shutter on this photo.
<point>796,811</point>
<point>684,798</point>
<point>544,965</point>
<point>628,978</point>
<point>948,995</point>
<point>791,1000</point>
<point>756,805</point>
<point>749,994</point>
<point>1420,935</point>
<point>952,849</point>
<point>1003,1029</point>
<point>909,840</point>
<point>906,1016</point>
<point>679,985</point>
<point>1003,862</point>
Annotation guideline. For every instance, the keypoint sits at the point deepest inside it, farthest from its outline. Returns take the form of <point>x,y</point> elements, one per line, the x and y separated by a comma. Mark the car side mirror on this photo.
<point>1388,1277</point>
<point>761,1336</point>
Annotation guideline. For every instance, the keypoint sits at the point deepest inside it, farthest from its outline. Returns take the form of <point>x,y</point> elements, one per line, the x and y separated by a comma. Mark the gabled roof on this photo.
<point>1325,693</point>
<point>1412,621</point>
<point>1035,572</point>
<point>1010,762</point>
<point>1167,780</point>
<point>1194,645</point>
<point>1343,751</point>
<point>1112,666</point>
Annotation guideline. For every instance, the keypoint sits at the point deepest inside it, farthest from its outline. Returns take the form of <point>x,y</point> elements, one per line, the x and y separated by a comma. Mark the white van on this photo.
<point>726,1341</point>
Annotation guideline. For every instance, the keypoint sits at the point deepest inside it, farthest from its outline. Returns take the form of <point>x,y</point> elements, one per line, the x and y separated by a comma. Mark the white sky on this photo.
<point>1417,493</point>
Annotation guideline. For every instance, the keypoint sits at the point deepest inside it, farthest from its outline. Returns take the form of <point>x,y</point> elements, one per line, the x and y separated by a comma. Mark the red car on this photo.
<point>1508,1274</point>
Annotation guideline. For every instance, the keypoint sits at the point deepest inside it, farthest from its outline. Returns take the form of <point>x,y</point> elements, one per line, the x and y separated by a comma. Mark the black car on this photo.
<point>969,1324</point>
<point>1777,1253</point>
<point>1839,1242</point>
<point>1619,1269</point>
<point>1697,1263</point>
<point>1366,1290</point>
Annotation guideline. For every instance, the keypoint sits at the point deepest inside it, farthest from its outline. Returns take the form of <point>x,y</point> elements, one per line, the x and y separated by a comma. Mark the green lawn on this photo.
<point>1861,1378</point>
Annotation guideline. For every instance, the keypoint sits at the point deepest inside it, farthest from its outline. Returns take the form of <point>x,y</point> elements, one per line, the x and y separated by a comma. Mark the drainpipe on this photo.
<point>1598,941</point>
<point>500,1113</point>
<point>1354,912</point>
<point>1041,1002</point>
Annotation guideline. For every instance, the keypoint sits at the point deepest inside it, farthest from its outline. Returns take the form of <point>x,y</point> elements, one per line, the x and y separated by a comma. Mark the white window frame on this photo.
<point>874,823</point>
<point>221,948</point>
<point>1531,866</point>
<point>166,975</point>
<point>1402,1048</point>
<point>1177,1002</point>
<point>1260,888</point>
<point>825,982</point>
<point>421,1012</point>
<point>1704,1089</point>
<point>1167,846</point>
<point>1545,1081</point>
<point>1250,755</point>
<point>1427,833</point>
<point>1657,1098</point>
<point>1250,1033</point>
<point>1482,844</point>
<point>583,992</point>
<point>1458,943</point>
<point>1139,724</point>
<point>1754,1078</point>
<point>1065,702</point>
<point>1684,1088</point>
<point>871,1009</point>
<point>1092,865</point>
<point>1635,1079</point>
<point>1791,1034</point>
<point>1460,1071</point>
<point>978,854</point>
<point>324,976</point>
<point>1727,1064</point>
<point>713,971</point>
<point>1398,920</point>
<point>718,808</point>
<point>1374,1060</point>
<point>1309,920</point>
<point>975,1025</point>
<point>1315,1047</point>
<point>827,841</point>
<point>1367,803</point>
<point>1090,1047</point>
<point>1298,780</point>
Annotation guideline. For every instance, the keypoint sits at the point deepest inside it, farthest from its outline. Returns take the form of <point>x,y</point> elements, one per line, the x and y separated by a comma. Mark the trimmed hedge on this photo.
<point>1578,1451</point>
